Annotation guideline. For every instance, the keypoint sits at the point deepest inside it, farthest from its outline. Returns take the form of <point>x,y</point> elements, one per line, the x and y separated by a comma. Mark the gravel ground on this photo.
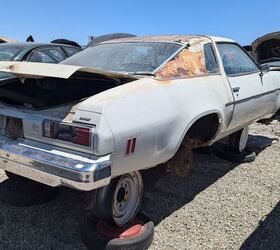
<point>220,205</point>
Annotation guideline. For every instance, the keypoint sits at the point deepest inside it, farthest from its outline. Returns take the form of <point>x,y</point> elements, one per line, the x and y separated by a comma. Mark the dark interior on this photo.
<point>268,50</point>
<point>49,92</point>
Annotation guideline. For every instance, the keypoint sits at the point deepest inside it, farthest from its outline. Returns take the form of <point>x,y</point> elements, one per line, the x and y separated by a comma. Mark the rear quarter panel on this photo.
<point>158,114</point>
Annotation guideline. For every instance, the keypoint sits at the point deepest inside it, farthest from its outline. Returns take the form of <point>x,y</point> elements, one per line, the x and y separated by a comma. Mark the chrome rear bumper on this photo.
<point>54,166</point>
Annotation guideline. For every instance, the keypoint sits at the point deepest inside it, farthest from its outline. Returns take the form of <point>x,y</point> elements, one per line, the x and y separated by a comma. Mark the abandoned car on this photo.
<point>266,49</point>
<point>34,52</point>
<point>94,121</point>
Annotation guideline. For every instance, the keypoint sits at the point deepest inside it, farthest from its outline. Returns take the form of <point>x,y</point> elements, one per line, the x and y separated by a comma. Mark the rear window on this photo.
<point>7,52</point>
<point>128,57</point>
<point>71,50</point>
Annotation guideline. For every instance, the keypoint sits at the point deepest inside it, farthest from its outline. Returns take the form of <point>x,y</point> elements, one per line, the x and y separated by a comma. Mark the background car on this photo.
<point>107,37</point>
<point>266,49</point>
<point>35,52</point>
<point>7,40</point>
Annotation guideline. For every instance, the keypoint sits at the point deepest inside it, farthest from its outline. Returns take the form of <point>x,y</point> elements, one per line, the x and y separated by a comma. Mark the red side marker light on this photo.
<point>130,146</point>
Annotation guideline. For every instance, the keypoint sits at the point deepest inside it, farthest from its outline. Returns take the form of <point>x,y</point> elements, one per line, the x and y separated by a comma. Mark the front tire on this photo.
<point>120,201</point>
<point>238,140</point>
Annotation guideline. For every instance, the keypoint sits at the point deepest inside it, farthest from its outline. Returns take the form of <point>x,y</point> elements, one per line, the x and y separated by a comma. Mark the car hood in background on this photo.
<point>267,49</point>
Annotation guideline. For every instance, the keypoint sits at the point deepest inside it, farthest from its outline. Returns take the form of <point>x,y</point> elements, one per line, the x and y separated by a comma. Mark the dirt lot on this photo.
<point>220,205</point>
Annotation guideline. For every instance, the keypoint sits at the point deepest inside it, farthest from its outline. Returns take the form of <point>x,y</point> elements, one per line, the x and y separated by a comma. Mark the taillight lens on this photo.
<point>69,133</point>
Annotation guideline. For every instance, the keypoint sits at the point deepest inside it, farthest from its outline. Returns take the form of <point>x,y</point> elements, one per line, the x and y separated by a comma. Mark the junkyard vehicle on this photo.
<point>6,40</point>
<point>34,52</point>
<point>94,121</point>
<point>107,37</point>
<point>266,49</point>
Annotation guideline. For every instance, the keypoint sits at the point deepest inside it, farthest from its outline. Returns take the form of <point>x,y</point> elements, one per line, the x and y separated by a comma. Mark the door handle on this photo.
<point>235,89</point>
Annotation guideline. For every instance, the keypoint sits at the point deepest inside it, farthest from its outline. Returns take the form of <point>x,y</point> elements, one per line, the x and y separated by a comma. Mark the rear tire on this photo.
<point>120,201</point>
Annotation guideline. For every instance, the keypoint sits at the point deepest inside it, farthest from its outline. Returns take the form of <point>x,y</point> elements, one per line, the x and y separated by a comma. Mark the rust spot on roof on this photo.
<point>187,64</point>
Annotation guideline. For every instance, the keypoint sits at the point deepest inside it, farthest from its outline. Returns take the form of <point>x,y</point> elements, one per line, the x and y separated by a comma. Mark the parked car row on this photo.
<point>94,121</point>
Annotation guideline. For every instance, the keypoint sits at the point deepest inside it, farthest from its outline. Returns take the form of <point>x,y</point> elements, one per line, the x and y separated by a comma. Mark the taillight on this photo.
<point>69,133</point>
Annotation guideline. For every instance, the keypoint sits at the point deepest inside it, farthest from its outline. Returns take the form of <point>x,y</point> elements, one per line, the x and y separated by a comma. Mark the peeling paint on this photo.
<point>187,64</point>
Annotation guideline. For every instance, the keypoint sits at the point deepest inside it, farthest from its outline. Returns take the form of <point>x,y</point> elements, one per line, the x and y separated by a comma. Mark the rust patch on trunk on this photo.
<point>187,64</point>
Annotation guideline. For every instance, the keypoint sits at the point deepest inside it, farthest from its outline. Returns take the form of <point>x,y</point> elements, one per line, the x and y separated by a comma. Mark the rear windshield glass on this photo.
<point>126,57</point>
<point>7,52</point>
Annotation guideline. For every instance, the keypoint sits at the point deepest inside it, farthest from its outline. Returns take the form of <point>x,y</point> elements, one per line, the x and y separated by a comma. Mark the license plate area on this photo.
<point>14,128</point>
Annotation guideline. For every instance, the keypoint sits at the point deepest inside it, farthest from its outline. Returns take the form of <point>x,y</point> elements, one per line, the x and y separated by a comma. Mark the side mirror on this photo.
<point>264,68</point>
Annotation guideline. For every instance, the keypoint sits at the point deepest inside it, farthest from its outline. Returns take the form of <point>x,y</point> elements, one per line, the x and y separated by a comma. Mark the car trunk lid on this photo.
<point>41,86</point>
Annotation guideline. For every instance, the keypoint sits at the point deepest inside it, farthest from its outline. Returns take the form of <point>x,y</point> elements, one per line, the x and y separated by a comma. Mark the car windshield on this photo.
<point>7,51</point>
<point>128,57</point>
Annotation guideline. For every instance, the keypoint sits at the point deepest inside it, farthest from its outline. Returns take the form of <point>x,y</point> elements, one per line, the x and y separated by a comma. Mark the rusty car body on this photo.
<point>126,105</point>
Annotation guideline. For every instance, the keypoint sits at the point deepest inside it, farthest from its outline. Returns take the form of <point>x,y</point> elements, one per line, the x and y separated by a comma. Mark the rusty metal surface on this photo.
<point>14,128</point>
<point>188,63</point>
<point>192,143</point>
<point>181,163</point>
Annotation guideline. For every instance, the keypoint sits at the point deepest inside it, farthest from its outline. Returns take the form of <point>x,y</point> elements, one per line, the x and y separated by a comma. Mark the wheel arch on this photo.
<point>193,130</point>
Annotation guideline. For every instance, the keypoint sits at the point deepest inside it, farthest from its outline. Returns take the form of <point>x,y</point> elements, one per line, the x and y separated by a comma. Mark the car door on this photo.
<point>252,91</point>
<point>49,54</point>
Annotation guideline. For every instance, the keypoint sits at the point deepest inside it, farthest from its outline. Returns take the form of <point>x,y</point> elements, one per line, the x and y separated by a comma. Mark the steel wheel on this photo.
<point>127,198</point>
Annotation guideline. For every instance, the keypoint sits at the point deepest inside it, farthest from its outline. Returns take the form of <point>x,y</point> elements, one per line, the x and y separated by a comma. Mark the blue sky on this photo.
<point>46,20</point>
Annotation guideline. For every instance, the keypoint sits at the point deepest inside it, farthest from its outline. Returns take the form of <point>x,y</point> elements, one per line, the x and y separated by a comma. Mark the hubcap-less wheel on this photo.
<point>243,139</point>
<point>127,198</point>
